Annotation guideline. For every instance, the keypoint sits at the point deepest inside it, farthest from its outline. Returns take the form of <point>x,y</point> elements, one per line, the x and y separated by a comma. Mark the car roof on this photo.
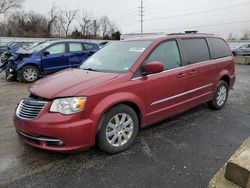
<point>172,36</point>
<point>69,40</point>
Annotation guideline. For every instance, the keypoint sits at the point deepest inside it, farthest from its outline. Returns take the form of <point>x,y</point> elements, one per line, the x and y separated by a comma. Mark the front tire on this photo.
<point>29,74</point>
<point>220,97</point>
<point>119,129</point>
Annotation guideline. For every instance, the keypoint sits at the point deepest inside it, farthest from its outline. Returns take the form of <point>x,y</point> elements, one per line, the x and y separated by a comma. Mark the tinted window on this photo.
<point>196,50</point>
<point>75,47</point>
<point>56,49</point>
<point>218,48</point>
<point>88,46</point>
<point>168,54</point>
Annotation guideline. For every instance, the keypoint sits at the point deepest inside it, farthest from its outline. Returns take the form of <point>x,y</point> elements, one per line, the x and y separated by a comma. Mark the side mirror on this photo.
<point>153,67</point>
<point>46,53</point>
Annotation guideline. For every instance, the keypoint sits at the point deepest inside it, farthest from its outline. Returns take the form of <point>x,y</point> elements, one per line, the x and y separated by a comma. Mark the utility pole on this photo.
<point>141,14</point>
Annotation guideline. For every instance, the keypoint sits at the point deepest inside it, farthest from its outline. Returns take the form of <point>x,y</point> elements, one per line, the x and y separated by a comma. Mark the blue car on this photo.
<point>49,57</point>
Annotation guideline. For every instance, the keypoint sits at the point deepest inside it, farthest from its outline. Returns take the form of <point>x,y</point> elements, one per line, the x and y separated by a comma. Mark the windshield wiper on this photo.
<point>90,69</point>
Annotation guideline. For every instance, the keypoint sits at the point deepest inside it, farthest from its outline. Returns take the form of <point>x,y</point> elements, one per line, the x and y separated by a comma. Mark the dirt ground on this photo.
<point>183,151</point>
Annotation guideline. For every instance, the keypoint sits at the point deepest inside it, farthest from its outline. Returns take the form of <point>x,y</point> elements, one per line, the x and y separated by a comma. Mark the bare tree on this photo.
<point>57,29</point>
<point>85,23</point>
<point>66,18</point>
<point>51,20</point>
<point>105,25</point>
<point>96,26</point>
<point>29,24</point>
<point>112,28</point>
<point>230,37</point>
<point>245,35</point>
<point>6,5</point>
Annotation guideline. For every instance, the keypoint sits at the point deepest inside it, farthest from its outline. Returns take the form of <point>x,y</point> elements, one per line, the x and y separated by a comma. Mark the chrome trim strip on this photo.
<point>38,139</point>
<point>181,94</point>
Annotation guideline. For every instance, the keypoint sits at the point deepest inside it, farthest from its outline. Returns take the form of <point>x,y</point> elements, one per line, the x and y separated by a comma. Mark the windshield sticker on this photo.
<point>137,49</point>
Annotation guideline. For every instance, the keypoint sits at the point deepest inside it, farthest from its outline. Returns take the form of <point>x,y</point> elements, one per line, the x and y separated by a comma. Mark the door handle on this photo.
<point>180,75</point>
<point>192,72</point>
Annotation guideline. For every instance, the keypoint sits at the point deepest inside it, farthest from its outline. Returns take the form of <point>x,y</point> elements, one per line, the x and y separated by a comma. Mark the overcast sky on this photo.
<point>210,16</point>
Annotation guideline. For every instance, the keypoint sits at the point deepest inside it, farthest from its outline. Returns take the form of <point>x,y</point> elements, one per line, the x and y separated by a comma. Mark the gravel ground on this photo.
<point>183,151</point>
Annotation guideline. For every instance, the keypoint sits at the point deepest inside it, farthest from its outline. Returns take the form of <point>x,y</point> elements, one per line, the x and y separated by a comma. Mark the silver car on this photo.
<point>242,50</point>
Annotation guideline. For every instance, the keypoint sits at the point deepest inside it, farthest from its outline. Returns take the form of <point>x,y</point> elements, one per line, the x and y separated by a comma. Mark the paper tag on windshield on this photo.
<point>137,49</point>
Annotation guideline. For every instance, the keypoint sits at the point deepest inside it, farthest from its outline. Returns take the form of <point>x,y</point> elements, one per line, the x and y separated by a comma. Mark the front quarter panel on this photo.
<point>33,60</point>
<point>111,100</point>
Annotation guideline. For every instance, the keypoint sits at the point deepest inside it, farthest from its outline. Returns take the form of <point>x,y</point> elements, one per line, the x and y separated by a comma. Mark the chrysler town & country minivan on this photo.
<point>124,87</point>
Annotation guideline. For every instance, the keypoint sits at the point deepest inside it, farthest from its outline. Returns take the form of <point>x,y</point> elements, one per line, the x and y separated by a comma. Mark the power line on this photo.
<point>195,13</point>
<point>214,9</point>
<point>141,14</point>
<point>211,25</point>
<point>124,19</point>
<point>125,14</point>
<point>190,6</point>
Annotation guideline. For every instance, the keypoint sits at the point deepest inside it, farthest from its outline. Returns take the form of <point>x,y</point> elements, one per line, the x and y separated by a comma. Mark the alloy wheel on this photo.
<point>30,74</point>
<point>221,95</point>
<point>119,129</point>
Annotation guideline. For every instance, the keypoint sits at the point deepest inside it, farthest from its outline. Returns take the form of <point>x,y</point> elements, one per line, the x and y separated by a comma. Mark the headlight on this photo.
<point>68,105</point>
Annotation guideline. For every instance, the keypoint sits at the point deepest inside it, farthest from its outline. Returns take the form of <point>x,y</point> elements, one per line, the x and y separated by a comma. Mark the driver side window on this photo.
<point>56,49</point>
<point>168,54</point>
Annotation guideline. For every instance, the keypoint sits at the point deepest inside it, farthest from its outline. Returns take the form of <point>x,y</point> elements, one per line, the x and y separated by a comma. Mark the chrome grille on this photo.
<point>30,108</point>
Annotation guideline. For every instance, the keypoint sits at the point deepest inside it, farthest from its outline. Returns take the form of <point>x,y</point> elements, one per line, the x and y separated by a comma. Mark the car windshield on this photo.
<point>31,47</point>
<point>39,47</point>
<point>116,57</point>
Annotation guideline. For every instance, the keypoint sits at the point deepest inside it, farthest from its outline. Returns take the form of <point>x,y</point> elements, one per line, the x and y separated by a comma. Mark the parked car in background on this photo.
<point>125,86</point>
<point>14,46</point>
<point>3,47</point>
<point>50,57</point>
<point>242,50</point>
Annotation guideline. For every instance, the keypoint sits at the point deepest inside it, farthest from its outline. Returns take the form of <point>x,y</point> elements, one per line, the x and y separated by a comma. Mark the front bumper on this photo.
<point>60,137</point>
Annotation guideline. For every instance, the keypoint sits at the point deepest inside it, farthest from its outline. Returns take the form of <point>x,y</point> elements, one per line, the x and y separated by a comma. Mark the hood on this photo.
<point>19,56</point>
<point>68,83</point>
<point>22,51</point>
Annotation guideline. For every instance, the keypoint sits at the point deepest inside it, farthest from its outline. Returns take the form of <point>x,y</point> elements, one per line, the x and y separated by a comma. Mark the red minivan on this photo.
<point>124,87</point>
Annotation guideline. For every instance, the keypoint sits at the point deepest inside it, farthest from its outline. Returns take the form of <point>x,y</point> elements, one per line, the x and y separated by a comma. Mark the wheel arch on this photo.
<point>30,64</point>
<point>106,104</point>
<point>226,78</point>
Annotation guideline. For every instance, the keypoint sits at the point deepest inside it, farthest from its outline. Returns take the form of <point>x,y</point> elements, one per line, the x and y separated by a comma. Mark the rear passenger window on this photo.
<point>168,54</point>
<point>75,47</point>
<point>88,46</point>
<point>218,48</point>
<point>196,50</point>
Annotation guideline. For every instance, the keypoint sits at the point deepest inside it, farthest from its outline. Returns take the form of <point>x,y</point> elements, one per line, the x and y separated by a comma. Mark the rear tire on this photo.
<point>119,129</point>
<point>29,74</point>
<point>220,97</point>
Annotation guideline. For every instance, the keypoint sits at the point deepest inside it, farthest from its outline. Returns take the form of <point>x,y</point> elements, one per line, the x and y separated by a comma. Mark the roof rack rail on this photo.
<point>189,33</point>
